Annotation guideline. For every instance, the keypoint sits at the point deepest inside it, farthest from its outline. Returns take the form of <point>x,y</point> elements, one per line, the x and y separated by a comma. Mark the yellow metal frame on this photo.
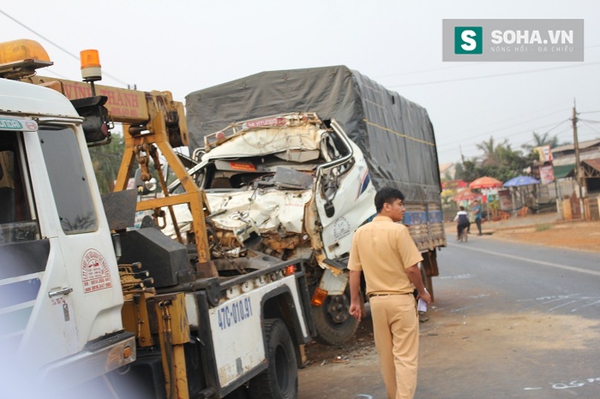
<point>151,111</point>
<point>159,104</point>
<point>136,319</point>
<point>174,332</point>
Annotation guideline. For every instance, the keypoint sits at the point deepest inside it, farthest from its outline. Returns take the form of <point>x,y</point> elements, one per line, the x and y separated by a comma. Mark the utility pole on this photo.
<point>579,169</point>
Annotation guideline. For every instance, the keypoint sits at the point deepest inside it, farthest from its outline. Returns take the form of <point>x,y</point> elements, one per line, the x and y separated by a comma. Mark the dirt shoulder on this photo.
<point>357,346</point>
<point>581,236</point>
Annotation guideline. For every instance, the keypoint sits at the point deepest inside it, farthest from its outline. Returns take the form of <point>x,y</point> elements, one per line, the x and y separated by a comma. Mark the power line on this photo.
<point>40,35</point>
<point>517,124</point>
<point>471,148</point>
<point>496,75</point>
<point>474,145</point>
<point>588,125</point>
<point>448,148</point>
<point>561,131</point>
<point>442,150</point>
<point>58,75</point>
<point>517,117</point>
<point>513,134</point>
<point>588,112</point>
<point>557,126</point>
<point>426,70</point>
<point>462,65</point>
<point>56,45</point>
<point>566,129</point>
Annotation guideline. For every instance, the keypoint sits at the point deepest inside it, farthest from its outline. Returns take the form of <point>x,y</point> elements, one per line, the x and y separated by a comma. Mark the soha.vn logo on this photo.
<point>468,40</point>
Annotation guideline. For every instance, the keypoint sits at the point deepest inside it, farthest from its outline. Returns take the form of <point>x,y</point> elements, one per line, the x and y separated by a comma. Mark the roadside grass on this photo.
<point>543,227</point>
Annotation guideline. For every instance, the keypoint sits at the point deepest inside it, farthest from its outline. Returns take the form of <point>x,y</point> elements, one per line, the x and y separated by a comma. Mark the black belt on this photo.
<point>390,293</point>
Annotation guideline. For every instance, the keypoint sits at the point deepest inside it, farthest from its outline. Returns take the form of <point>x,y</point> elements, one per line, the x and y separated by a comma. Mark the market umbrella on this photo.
<point>521,181</point>
<point>485,182</point>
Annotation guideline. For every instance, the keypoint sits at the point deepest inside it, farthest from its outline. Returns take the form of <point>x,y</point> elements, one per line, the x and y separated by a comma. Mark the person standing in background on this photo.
<point>477,213</point>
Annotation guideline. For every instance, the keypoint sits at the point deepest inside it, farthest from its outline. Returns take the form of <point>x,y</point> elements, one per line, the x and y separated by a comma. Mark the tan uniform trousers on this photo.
<point>396,333</point>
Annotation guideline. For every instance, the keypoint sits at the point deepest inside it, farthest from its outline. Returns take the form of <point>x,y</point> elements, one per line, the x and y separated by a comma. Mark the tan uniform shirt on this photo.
<point>383,250</point>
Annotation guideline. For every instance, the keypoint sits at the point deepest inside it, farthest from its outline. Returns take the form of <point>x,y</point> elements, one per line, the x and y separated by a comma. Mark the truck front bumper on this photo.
<point>98,358</point>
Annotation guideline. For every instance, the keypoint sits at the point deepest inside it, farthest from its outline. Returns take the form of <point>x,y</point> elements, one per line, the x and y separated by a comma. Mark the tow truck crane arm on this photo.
<point>150,120</point>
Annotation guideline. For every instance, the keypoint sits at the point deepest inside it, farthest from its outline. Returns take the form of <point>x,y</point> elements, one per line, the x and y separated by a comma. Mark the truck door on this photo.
<point>344,194</point>
<point>75,294</point>
<point>76,220</point>
<point>32,300</point>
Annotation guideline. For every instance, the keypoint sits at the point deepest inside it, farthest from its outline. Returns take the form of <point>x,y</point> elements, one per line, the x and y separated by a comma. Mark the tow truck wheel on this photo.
<point>333,321</point>
<point>280,380</point>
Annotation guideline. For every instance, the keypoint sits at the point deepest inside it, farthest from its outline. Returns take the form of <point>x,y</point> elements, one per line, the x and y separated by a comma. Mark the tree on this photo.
<point>458,170</point>
<point>492,152</point>
<point>499,161</point>
<point>106,160</point>
<point>468,171</point>
<point>541,140</point>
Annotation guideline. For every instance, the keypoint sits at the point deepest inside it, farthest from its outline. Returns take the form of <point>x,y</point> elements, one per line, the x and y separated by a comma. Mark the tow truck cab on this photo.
<point>60,292</point>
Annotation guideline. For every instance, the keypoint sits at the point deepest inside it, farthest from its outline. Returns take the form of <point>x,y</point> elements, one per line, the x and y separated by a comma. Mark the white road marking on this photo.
<point>560,306</point>
<point>539,262</point>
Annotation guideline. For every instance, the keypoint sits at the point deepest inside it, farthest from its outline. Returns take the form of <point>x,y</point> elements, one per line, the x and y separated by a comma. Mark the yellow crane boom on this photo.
<point>150,120</point>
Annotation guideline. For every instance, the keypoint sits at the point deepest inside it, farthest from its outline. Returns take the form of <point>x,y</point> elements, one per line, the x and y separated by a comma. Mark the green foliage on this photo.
<point>492,152</point>
<point>449,206</point>
<point>499,160</point>
<point>458,171</point>
<point>541,140</point>
<point>107,160</point>
<point>543,227</point>
<point>468,171</point>
<point>494,205</point>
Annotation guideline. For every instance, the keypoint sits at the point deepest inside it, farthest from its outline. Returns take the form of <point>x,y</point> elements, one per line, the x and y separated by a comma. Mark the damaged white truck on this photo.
<point>290,162</point>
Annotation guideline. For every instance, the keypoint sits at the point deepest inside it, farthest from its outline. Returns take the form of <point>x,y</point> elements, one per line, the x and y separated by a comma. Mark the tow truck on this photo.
<point>89,305</point>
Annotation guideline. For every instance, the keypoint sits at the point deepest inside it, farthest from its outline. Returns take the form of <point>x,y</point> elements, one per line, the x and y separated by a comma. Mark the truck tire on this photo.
<point>333,322</point>
<point>280,380</point>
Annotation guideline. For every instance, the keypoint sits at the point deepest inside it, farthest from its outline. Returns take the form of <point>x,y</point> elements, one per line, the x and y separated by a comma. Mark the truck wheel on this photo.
<point>333,321</point>
<point>280,380</point>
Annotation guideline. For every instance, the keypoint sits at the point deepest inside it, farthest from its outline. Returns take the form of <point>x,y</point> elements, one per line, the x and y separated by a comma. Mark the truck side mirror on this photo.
<point>96,125</point>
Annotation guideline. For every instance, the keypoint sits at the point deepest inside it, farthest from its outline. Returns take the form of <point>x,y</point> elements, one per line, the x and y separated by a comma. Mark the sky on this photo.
<point>184,46</point>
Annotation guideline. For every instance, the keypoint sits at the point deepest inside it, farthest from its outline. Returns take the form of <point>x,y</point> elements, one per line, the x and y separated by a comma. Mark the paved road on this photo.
<point>510,321</point>
<point>513,321</point>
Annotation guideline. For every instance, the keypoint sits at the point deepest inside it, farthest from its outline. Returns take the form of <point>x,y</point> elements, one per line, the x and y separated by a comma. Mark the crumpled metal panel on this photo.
<point>395,134</point>
<point>270,210</point>
<point>264,141</point>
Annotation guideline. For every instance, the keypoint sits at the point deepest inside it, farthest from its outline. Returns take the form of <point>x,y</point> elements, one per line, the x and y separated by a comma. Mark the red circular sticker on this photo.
<point>95,273</point>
